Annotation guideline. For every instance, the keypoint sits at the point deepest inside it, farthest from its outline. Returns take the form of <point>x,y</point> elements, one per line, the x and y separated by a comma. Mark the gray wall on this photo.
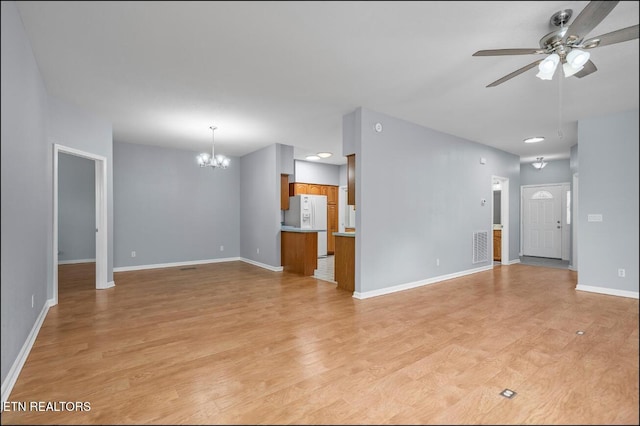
<point>286,159</point>
<point>427,203</point>
<point>32,122</point>
<point>556,171</point>
<point>167,209</point>
<point>27,208</point>
<point>260,212</point>
<point>608,185</point>
<point>573,160</point>
<point>322,174</point>
<point>76,208</point>
<point>343,175</point>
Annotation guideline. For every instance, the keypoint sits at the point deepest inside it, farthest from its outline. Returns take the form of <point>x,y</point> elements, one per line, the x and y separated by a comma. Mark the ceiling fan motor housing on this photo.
<point>560,18</point>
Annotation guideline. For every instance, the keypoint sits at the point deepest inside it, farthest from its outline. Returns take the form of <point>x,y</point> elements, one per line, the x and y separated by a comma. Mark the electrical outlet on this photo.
<point>437,262</point>
<point>258,251</point>
<point>133,254</point>
<point>32,300</point>
<point>221,248</point>
<point>621,273</point>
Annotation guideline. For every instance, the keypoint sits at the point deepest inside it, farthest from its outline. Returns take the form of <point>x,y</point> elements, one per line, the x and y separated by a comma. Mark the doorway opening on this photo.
<point>500,220</point>
<point>100,164</point>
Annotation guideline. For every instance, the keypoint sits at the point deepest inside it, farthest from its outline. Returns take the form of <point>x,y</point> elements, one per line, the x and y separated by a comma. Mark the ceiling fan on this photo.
<point>565,45</point>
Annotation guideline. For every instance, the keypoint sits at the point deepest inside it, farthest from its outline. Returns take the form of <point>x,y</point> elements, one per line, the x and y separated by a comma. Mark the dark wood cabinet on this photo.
<point>284,192</point>
<point>497,244</point>
<point>351,180</point>
<point>332,226</point>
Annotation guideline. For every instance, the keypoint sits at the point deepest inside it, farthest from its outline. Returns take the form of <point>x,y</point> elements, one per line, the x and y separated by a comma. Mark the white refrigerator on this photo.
<point>309,212</point>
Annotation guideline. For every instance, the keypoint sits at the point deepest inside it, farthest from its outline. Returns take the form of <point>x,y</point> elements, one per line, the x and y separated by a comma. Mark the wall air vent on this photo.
<point>480,246</point>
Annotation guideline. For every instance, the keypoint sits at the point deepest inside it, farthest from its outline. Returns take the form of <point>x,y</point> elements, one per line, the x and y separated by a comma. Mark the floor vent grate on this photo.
<point>186,269</point>
<point>508,393</point>
<point>480,246</point>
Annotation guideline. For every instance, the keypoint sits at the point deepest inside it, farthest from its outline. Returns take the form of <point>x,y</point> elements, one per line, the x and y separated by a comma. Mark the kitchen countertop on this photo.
<point>293,229</point>
<point>344,234</point>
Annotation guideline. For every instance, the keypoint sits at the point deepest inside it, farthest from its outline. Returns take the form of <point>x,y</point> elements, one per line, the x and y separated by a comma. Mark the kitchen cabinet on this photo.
<point>299,251</point>
<point>284,192</point>
<point>298,188</point>
<point>344,261</point>
<point>331,192</point>
<point>497,244</point>
<point>351,180</point>
<point>332,226</point>
<point>313,189</point>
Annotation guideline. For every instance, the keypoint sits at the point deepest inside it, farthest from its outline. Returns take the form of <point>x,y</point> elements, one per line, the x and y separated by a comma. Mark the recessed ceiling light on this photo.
<point>534,139</point>
<point>312,157</point>
<point>324,154</point>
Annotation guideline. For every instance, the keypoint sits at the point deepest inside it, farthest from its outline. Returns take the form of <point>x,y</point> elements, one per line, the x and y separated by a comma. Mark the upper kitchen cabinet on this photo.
<point>314,189</point>
<point>297,188</point>
<point>331,192</point>
<point>351,180</point>
<point>284,192</point>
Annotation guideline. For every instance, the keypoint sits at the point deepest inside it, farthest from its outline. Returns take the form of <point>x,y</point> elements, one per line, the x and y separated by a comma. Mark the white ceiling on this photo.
<point>286,72</point>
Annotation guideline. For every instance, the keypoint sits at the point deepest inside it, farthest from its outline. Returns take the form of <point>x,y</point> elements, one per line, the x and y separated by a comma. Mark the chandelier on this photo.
<point>212,160</point>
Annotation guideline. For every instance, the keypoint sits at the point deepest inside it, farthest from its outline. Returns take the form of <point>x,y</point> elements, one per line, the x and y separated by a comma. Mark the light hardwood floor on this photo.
<point>231,343</point>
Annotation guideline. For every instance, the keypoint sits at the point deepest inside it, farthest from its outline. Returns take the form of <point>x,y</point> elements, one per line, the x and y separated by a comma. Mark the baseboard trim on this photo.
<point>173,264</point>
<point>16,368</point>
<point>109,284</point>
<point>191,263</point>
<point>262,265</point>
<point>414,284</point>
<point>513,262</point>
<point>70,262</point>
<point>608,291</point>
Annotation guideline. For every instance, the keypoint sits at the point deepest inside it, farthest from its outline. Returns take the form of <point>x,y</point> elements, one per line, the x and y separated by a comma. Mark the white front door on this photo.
<point>542,221</point>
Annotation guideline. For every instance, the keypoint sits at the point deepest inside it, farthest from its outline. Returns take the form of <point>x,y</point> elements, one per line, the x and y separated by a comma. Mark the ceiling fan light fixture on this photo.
<point>577,58</point>
<point>570,70</point>
<point>548,66</point>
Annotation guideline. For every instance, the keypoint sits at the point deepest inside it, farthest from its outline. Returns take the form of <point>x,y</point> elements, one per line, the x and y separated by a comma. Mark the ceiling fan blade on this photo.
<point>515,73</point>
<point>501,52</point>
<point>618,36</point>
<point>589,68</point>
<point>588,19</point>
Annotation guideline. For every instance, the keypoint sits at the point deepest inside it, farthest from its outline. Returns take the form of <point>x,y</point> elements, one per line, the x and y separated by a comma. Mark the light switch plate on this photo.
<point>594,218</point>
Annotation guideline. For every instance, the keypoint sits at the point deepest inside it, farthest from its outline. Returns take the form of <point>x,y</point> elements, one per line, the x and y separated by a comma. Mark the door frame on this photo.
<point>101,216</point>
<point>574,224</point>
<point>504,218</point>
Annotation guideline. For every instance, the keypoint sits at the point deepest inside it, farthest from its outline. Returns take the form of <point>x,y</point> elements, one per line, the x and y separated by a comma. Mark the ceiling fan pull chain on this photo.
<point>560,134</point>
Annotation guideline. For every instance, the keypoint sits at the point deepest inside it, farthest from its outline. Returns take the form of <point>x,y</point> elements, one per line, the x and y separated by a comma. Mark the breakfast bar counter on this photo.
<point>299,250</point>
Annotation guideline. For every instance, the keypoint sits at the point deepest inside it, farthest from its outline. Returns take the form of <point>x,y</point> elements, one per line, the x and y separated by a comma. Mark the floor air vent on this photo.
<point>186,269</point>
<point>480,246</point>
